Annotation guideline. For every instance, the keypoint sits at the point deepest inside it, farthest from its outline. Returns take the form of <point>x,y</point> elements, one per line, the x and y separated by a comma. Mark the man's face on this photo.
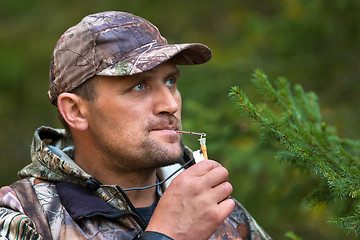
<point>132,120</point>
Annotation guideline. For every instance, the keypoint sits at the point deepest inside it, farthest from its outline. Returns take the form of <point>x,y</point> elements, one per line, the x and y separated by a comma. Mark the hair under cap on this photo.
<point>114,44</point>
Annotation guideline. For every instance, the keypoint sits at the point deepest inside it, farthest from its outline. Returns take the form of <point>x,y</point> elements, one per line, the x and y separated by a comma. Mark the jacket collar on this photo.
<point>80,202</point>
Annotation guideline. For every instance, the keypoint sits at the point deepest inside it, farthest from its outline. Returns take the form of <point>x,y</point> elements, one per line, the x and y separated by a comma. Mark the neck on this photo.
<point>107,173</point>
<point>144,197</point>
<point>139,198</point>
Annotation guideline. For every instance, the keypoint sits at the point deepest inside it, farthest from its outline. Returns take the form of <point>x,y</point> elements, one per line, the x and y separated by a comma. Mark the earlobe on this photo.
<point>72,109</point>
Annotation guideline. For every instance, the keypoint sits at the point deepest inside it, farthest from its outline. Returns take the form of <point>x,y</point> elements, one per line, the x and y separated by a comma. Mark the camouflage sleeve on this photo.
<point>15,225</point>
<point>239,225</point>
<point>246,225</point>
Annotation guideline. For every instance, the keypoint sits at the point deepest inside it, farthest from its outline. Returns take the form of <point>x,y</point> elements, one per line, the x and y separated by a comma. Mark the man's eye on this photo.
<point>171,82</point>
<point>139,87</point>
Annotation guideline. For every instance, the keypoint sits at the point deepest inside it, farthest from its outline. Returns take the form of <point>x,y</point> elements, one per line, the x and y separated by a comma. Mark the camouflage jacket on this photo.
<point>56,199</point>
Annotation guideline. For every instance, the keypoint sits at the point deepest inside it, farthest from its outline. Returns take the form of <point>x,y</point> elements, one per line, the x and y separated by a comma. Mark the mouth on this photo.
<point>165,134</point>
<point>165,124</point>
<point>165,129</point>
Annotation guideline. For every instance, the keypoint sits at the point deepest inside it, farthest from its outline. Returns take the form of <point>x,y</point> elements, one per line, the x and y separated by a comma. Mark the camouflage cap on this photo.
<point>114,44</point>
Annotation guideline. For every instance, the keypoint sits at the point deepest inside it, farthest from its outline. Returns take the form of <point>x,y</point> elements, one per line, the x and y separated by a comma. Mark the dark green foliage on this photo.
<point>314,43</point>
<point>291,117</point>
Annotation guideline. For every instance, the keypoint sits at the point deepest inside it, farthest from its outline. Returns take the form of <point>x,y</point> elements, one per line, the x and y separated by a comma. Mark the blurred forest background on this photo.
<point>314,43</point>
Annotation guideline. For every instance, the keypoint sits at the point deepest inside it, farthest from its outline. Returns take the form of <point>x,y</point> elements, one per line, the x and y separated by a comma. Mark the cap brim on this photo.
<point>152,55</point>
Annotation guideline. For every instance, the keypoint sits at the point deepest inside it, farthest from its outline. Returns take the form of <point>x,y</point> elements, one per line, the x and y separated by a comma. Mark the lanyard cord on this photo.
<point>159,183</point>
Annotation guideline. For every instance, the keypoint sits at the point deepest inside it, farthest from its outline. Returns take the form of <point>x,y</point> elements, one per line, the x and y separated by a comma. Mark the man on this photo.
<point>113,79</point>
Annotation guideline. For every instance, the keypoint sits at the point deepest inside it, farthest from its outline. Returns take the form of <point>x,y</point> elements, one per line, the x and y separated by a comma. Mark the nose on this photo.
<point>168,101</point>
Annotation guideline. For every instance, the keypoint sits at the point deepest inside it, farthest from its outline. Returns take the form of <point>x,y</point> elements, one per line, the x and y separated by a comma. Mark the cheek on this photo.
<point>178,113</point>
<point>113,117</point>
<point>125,128</point>
<point>128,120</point>
<point>131,120</point>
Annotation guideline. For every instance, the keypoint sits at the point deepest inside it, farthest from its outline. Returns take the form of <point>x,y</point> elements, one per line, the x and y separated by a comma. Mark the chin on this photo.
<point>160,152</point>
<point>171,155</point>
<point>163,156</point>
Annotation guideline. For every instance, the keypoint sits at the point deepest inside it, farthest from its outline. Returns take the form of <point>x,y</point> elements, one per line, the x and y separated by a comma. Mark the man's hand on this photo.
<point>195,203</point>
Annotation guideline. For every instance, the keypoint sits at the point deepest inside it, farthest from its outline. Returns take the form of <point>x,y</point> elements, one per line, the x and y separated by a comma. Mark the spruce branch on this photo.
<point>292,118</point>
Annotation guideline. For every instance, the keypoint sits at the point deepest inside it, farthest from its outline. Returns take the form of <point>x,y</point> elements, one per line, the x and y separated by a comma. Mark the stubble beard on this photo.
<point>149,154</point>
<point>156,156</point>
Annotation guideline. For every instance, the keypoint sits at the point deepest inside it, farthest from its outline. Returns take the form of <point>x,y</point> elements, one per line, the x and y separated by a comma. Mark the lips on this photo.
<point>165,124</point>
<point>163,129</point>
<point>165,132</point>
<point>166,129</point>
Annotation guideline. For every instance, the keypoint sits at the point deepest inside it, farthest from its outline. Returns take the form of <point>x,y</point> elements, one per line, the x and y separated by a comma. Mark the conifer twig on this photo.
<point>294,121</point>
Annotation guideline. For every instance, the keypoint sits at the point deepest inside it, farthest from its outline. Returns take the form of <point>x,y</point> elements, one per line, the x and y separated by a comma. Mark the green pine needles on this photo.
<point>292,118</point>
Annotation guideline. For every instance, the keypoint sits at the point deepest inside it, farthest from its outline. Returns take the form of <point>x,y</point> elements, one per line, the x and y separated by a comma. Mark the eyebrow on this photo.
<point>146,75</point>
<point>176,72</point>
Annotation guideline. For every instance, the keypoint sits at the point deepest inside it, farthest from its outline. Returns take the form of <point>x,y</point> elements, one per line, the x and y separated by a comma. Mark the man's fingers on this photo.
<point>221,191</point>
<point>202,168</point>
<point>226,206</point>
<point>216,176</point>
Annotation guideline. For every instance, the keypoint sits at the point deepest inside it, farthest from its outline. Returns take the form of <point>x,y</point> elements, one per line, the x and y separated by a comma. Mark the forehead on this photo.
<point>162,71</point>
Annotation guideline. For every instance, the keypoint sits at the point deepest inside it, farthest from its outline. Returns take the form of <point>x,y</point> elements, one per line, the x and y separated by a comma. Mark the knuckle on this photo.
<point>218,217</point>
<point>229,186</point>
<point>196,187</point>
<point>226,188</point>
<point>181,180</point>
<point>210,164</point>
<point>224,171</point>
<point>190,184</point>
<point>213,214</point>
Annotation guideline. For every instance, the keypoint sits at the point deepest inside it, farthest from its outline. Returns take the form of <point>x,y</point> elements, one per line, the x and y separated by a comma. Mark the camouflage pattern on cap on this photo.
<point>114,44</point>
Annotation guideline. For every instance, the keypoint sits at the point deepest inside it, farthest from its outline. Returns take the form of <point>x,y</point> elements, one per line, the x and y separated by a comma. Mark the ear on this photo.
<point>73,109</point>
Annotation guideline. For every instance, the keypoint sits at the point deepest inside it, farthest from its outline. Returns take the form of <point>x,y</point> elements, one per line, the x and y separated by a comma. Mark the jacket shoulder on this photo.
<point>9,199</point>
<point>21,211</point>
<point>16,225</point>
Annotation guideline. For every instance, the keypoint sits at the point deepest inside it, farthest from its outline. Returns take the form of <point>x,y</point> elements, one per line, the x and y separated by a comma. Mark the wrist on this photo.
<point>150,235</point>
